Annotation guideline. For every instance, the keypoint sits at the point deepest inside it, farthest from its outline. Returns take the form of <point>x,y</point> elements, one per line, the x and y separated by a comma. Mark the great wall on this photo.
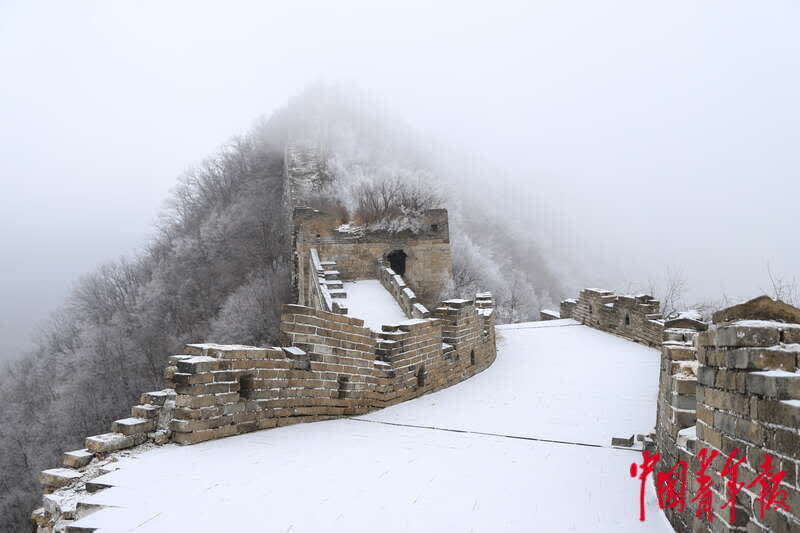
<point>725,386</point>
<point>329,365</point>
<point>731,388</point>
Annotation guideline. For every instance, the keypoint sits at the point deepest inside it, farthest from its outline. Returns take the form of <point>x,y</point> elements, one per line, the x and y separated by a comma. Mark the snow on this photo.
<point>567,383</point>
<point>570,383</point>
<point>691,314</point>
<point>543,324</point>
<point>776,374</point>
<point>131,421</point>
<point>351,228</point>
<point>369,301</point>
<point>765,324</point>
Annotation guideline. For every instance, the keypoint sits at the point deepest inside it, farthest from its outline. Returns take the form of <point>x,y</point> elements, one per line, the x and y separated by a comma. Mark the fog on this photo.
<point>629,138</point>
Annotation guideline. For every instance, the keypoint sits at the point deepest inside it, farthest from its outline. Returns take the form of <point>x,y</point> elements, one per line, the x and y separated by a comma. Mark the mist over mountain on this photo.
<point>218,271</point>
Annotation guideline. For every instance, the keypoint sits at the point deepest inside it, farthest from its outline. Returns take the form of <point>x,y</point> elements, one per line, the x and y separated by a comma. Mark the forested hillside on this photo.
<point>218,270</point>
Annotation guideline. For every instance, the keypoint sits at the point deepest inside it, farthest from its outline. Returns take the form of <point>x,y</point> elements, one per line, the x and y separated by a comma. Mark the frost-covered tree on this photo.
<point>218,268</point>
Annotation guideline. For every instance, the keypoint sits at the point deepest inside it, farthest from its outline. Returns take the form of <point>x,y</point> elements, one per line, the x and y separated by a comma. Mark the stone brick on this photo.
<point>132,426</point>
<point>77,458</point>
<point>109,442</point>
<point>193,379</point>
<point>197,364</point>
<point>772,358</point>
<point>58,477</point>
<point>785,442</point>
<point>145,411</point>
<point>777,384</point>
<point>686,386</point>
<point>706,375</point>
<point>157,397</point>
<point>785,413</point>
<point>744,334</point>
<point>760,308</point>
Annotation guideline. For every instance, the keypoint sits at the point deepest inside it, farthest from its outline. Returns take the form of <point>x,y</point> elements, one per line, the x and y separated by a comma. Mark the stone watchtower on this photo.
<point>422,258</point>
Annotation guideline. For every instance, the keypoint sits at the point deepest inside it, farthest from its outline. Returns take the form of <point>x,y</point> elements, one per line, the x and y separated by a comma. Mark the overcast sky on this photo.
<point>646,135</point>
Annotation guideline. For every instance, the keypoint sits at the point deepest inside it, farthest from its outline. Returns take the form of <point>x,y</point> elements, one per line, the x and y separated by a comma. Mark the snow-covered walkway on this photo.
<point>462,459</point>
<point>369,301</point>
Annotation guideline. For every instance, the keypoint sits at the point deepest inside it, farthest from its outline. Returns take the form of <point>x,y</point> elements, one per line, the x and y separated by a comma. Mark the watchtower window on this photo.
<point>627,319</point>
<point>472,357</point>
<point>421,376</point>
<point>341,392</point>
<point>245,387</point>
<point>397,261</point>
<point>434,227</point>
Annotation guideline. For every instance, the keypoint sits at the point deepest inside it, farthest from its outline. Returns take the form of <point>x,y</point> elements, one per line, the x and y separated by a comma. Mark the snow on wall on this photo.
<point>461,459</point>
<point>396,285</point>
<point>368,300</point>
<point>635,317</point>
<point>734,386</point>
<point>331,367</point>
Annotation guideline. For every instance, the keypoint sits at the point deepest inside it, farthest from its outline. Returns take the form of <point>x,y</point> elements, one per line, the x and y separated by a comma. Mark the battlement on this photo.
<point>635,317</point>
<point>733,389</point>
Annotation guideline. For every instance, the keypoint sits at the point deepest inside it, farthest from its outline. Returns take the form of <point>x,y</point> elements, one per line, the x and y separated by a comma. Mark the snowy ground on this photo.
<point>368,300</point>
<point>551,381</point>
<point>554,380</point>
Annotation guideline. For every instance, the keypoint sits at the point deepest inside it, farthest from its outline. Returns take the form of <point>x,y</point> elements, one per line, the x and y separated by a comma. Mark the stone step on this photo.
<point>109,442</point>
<point>338,294</point>
<point>145,411</point>
<point>62,505</point>
<point>77,458</point>
<point>58,477</point>
<point>157,397</point>
<point>133,425</point>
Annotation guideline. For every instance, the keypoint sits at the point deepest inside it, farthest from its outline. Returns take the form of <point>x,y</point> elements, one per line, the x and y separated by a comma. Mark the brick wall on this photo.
<point>634,317</point>
<point>403,294</point>
<point>746,400</point>
<point>331,367</point>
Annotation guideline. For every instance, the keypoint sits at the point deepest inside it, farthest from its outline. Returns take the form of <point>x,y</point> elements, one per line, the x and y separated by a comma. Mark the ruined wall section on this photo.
<point>746,398</point>
<point>634,317</point>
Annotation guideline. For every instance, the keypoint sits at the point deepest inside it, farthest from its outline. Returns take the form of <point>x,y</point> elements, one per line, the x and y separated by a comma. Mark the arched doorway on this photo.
<point>397,261</point>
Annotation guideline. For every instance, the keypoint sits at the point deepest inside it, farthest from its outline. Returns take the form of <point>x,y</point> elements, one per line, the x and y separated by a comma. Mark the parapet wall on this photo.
<point>331,366</point>
<point>733,390</point>
<point>403,294</point>
<point>635,317</point>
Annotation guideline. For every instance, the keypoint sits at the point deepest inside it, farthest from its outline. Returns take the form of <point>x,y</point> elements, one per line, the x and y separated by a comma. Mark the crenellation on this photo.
<point>747,402</point>
<point>634,317</point>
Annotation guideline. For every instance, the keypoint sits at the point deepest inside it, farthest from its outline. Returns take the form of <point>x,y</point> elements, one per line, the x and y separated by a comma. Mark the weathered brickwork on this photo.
<point>634,317</point>
<point>405,296</point>
<point>329,366</point>
<point>428,263</point>
<point>745,396</point>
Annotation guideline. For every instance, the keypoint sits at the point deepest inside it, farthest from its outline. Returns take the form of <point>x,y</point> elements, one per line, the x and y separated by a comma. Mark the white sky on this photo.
<point>651,135</point>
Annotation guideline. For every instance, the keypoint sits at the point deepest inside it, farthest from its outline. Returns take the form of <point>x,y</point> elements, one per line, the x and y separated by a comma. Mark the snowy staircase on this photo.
<point>330,283</point>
